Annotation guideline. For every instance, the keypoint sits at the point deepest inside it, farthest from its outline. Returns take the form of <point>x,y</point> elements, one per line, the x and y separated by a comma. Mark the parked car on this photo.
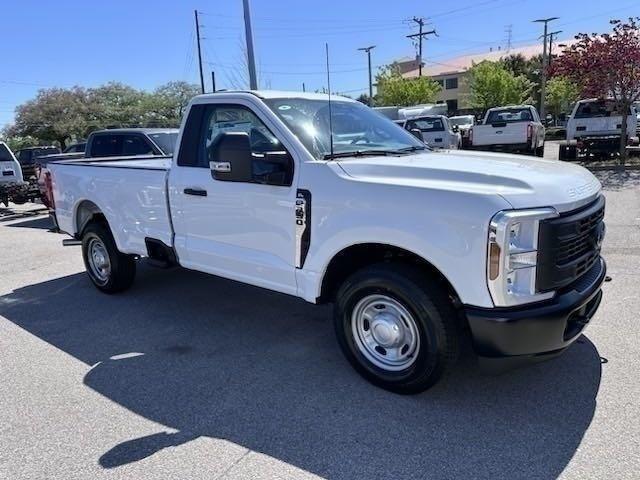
<point>595,127</point>
<point>462,124</point>
<point>110,143</point>
<point>436,130</point>
<point>11,183</point>
<point>412,246</point>
<point>515,128</point>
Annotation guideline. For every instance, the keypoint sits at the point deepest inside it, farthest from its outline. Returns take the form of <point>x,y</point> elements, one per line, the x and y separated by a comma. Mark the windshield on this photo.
<point>599,108</point>
<point>427,124</point>
<point>356,127</point>
<point>165,140</point>
<point>510,115</point>
<point>460,121</point>
<point>5,153</point>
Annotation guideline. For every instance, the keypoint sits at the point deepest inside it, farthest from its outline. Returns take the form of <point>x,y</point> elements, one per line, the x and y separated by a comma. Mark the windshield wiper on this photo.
<point>369,153</point>
<point>413,149</point>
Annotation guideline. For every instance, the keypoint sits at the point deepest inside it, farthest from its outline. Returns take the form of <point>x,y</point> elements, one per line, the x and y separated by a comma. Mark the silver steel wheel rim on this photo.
<point>98,258</point>
<point>385,332</point>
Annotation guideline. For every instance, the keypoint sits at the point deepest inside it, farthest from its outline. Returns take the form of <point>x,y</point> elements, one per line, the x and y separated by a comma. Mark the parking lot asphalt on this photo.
<point>188,376</point>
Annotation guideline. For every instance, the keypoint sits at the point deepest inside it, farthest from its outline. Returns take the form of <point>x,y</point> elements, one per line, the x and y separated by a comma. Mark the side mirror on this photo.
<point>416,132</point>
<point>230,157</point>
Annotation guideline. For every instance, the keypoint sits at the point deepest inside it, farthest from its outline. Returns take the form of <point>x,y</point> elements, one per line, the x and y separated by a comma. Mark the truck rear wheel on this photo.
<point>110,270</point>
<point>397,327</point>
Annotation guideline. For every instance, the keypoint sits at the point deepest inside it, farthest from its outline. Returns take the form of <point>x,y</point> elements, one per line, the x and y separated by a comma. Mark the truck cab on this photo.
<point>322,198</point>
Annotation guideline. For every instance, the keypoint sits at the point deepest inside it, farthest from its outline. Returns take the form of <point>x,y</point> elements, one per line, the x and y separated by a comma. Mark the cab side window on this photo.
<point>106,146</point>
<point>136,145</point>
<point>271,163</point>
<point>220,119</point>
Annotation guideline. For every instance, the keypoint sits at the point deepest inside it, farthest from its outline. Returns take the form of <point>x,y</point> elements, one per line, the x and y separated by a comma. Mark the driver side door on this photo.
<point>243,230</point>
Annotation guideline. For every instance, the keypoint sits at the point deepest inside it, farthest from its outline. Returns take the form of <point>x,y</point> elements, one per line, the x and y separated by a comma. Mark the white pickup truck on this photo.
<point>515,128</point>
<point>595,127</point>
<point>332,202</point>
<point>11,179</point>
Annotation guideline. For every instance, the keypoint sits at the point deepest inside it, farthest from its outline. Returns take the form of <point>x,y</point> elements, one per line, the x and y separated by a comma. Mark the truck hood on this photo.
<point>524,182</point>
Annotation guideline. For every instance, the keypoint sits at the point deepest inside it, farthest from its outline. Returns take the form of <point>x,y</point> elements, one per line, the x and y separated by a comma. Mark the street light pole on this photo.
<point>552,35</point>
<point>543,75</point>
<point>253,80</point>
<point>368,51</point>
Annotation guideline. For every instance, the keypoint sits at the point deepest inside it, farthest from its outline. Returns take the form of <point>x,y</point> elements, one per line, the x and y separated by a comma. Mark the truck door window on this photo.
<point>106,146</point>
<point>135,145</point>
<point>270,156</point>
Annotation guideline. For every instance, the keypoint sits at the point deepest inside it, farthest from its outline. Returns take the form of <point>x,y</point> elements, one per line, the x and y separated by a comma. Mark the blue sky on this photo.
<point>146,43</point>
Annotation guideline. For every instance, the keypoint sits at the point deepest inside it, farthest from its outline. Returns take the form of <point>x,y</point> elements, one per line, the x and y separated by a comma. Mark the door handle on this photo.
<point>198,192</point>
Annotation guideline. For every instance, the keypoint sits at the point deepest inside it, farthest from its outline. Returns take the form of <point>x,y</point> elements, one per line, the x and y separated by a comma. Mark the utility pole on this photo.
<point>213,81</point>
<point>253,80</point>
<point>419,36</point>
<point>368,51</point>
<point>199,51</point>
<point>551,38</point>
<point>543,74</point>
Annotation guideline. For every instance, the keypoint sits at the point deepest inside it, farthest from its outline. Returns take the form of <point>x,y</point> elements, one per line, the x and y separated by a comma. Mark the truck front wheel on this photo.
<point>110,270</point>
<point>397,327</point>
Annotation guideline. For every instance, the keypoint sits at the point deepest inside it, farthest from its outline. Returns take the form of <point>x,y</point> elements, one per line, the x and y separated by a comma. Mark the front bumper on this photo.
<point>538,330</point>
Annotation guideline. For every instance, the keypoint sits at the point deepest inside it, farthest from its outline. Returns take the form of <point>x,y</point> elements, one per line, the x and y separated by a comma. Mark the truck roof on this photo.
<point>511,106</point>
<point>269,94</point>
<point>136,130</point>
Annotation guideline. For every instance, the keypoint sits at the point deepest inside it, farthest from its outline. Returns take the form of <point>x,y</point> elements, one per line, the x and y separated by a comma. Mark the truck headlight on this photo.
<point>512,256</point>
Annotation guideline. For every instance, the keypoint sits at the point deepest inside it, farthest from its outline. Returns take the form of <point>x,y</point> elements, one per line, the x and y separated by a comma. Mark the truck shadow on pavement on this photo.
<point>210,357</point>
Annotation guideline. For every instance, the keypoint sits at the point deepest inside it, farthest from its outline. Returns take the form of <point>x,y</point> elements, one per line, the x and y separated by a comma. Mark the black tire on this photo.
<point>122,267</point>
<point>540,151</point>
<point>572,152</point>
<point>562,154</point>
<point>427,302</point>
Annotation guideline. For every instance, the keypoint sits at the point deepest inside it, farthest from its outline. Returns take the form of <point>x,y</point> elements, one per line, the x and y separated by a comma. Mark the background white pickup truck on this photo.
<point>10,174</point>
<point>515,128</point>
<point>436,131</point>
<point>414,248</point>
<point>595,127</point>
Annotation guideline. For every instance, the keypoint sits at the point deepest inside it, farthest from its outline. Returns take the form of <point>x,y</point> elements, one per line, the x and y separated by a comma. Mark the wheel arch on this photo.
<point>85,212</point>
<point>354,257</point>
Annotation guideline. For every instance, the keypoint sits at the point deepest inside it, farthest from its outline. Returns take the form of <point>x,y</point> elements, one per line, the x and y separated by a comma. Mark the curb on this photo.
<point>612,168</point>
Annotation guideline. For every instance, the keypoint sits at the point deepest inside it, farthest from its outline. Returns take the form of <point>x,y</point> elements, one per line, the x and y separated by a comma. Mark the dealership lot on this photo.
<point>191,376</point>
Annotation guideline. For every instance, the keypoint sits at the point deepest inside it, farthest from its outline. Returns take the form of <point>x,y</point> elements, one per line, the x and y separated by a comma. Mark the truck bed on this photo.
<point>130,191</point>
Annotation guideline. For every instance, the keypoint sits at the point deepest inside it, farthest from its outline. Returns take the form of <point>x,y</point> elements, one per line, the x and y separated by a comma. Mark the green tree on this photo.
<point>561,93</point>
<point>59,115</point>
<point>394,89</point>
<point>15,142</point>
<point>55,115</point>
<point>492,85</point>
<point>167,104</point>
<point>115,105</point>
<point>530,68</point>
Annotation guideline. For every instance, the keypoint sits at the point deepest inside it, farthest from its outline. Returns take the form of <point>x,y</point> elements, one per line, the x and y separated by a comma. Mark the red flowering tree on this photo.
<point>606,65</point>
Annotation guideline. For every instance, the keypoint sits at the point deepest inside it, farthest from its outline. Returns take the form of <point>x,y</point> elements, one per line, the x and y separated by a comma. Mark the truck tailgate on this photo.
<point>595,126</point>
<point>500,133</point>
<point>131,193</point>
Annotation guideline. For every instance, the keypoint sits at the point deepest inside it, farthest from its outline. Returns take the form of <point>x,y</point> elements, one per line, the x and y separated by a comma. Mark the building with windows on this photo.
<point>452,74</point>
